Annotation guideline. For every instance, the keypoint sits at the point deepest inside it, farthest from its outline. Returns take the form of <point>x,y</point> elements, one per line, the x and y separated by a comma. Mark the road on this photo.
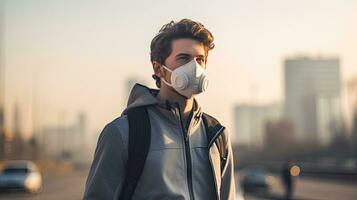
<point>71,186</point>
<point>315,189</point>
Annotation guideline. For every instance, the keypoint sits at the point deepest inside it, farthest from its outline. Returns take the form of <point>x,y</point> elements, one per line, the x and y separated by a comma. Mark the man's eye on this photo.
<point>183,58</point>
<point>200,60</point>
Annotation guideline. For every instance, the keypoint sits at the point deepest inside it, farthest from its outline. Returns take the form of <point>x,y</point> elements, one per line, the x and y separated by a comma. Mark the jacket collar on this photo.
<point>142,95</point>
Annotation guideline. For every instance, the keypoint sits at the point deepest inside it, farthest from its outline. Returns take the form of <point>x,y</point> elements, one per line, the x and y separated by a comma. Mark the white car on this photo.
<point>21,174</point>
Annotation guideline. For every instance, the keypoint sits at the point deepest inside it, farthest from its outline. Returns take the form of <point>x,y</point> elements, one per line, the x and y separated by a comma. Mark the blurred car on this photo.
<point>21,174</point>
<point>256,180</point>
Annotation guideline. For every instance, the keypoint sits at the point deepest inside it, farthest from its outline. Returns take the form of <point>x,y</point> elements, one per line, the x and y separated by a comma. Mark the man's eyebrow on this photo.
<point>183,54</point>
<point>187,55</point>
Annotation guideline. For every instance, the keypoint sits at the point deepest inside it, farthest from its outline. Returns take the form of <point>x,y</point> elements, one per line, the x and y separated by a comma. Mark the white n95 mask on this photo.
<point>188,79</point>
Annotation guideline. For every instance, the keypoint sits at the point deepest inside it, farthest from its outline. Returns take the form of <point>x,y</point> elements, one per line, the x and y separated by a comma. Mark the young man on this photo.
<point>189,155</point>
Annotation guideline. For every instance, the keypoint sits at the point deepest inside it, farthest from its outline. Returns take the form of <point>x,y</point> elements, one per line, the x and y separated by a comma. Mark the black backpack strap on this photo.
<point>221,143</point>
<point>212,127</point>
<point>138,148</point>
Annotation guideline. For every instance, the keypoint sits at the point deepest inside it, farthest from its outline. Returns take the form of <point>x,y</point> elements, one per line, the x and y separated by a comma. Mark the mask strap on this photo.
<point>166,68</point>
<point>163,79</point>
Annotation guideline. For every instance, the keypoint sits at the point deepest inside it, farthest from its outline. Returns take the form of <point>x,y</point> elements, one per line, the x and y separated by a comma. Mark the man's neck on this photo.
<point>186,105</point>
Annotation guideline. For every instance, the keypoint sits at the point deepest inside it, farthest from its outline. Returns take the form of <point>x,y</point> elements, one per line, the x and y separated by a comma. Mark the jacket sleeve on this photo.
<point>106,174</point>
<point>228,186</point>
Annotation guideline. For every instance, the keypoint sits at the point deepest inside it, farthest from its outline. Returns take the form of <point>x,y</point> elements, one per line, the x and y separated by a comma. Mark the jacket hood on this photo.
<point>141,95</point>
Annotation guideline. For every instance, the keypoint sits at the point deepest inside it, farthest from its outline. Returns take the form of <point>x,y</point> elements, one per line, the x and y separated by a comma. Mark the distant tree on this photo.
<point>340,145</point>
<point>279,137</point>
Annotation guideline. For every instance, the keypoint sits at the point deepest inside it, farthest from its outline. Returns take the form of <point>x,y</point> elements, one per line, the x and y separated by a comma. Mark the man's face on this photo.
<point>183,51</point>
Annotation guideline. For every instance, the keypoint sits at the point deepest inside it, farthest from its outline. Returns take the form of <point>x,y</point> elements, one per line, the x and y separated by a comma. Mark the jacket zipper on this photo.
<point>210,160</point>
<point>187,150</point>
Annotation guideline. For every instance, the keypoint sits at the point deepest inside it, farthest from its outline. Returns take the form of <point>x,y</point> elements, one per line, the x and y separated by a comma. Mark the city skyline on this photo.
<point>67,59</point>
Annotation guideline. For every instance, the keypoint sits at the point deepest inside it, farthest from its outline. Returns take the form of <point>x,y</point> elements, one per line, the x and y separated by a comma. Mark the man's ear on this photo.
<point>157,69</point>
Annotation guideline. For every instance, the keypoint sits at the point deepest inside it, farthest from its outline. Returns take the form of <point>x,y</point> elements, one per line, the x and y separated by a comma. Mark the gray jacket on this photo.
<point>176,168</point>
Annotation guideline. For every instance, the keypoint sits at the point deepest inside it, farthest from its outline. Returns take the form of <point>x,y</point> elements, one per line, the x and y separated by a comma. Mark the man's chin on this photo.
<point>180,96</point>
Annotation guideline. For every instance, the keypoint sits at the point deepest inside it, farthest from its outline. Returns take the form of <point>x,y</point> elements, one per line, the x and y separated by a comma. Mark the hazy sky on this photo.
<point>62,57</point>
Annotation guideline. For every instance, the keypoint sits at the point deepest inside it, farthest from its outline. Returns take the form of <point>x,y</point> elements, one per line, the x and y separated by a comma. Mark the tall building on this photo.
<point>312,96</point>
<point>250,121</point>
<point>16,130</point>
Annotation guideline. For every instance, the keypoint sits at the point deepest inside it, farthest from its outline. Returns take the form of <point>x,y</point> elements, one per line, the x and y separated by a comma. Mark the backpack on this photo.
<point>139,144</point>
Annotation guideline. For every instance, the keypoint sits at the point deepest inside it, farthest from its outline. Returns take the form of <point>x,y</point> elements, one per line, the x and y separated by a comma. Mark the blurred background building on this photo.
<point>313,97</point>
<point>2,87</point>
<point>250,120</point>
<point>2,128</point>
<point>67,141</point>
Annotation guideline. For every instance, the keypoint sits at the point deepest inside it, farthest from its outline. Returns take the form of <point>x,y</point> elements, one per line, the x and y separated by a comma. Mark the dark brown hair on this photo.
<point>161,48</point>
